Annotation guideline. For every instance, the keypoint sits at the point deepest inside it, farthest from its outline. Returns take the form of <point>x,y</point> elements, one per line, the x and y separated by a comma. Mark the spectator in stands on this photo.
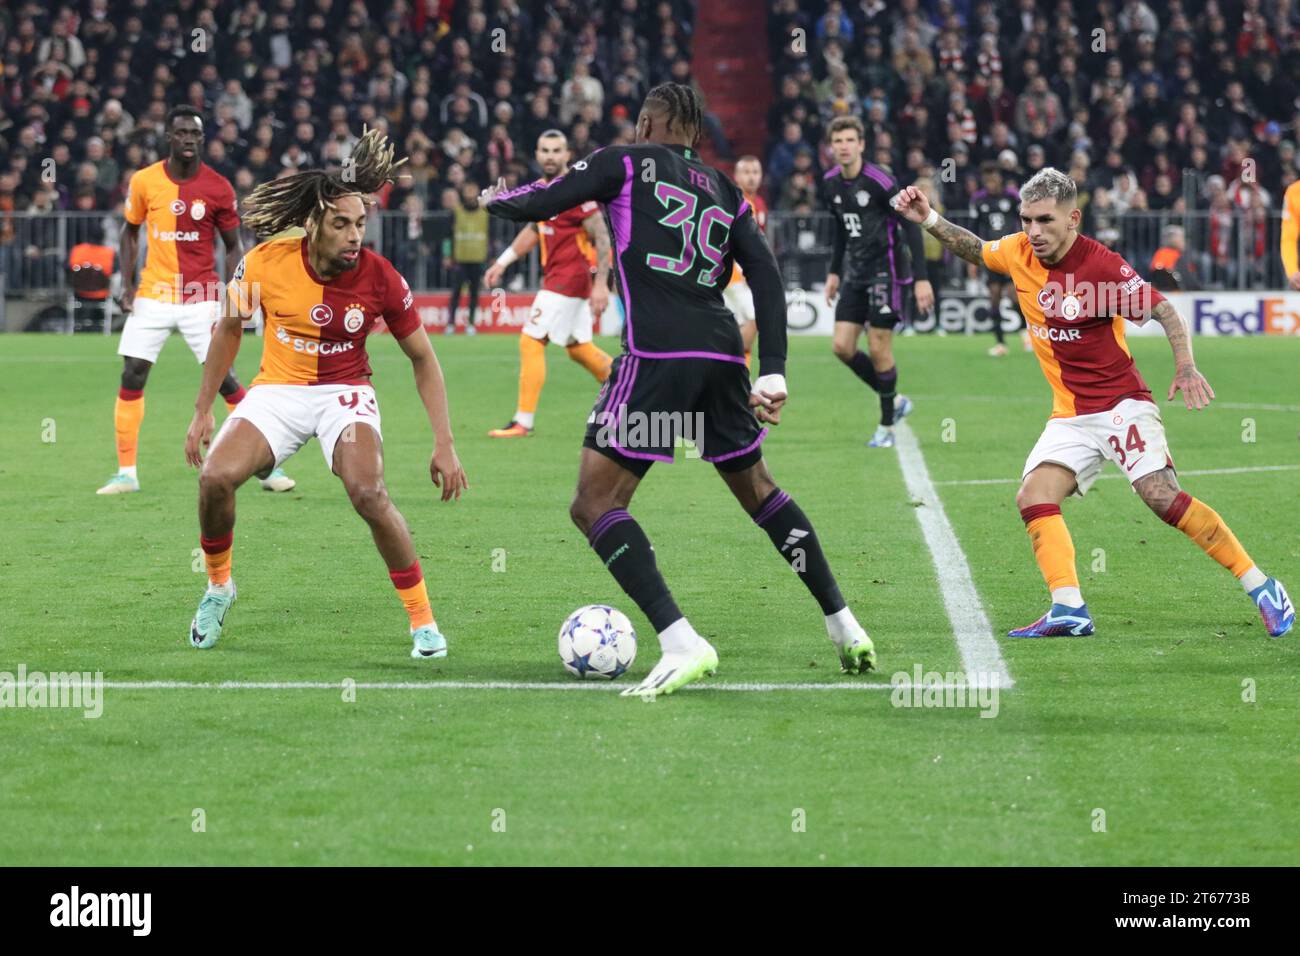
<point>957,181</point>
<point>1170,270</point>
<point>837,95</point>
<point>874,70</point>
<point>780,162</point>
<point>1009,163</point>
<point>1000,139</point>
<point>1221,230</point>
<point>411,246</point>
<point>799,188</point>
<point>913,56</point>
<point>1039,102</point>
<point>579,90</point>
<point>1181,86</point>
<point>997,105</point>
<point>1286,155</point>
<point>1268,166</point>
<point>791,106</point>
<point>962,117</point>
<point>41,250</point>
<point>1231,117</point>
<point>9,252</point>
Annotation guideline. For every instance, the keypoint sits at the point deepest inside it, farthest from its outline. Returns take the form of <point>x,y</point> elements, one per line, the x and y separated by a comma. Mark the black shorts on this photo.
<point>645,404</point>
<point>878,302</point>
<point>988,275</point>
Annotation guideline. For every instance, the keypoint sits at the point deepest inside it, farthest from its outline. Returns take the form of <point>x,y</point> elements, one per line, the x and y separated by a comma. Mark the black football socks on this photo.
<point>888,392</point>
<point>626,552</point>
<point>884,383</point>
<point>794,537</point>
<point>863,369</point>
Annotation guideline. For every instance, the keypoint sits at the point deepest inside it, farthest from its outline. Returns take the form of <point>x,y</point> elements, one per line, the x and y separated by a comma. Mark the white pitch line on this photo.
<point>1257,407</point>
<point>1035,400</point>
<point>980,654</point>
<point>741,687</point>
<point>1181,474</point>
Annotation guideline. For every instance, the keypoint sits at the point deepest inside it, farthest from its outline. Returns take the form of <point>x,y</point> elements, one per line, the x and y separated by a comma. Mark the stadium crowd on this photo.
<point>1176,106</point>
<point>464,87</point>
<point>1185,106</point>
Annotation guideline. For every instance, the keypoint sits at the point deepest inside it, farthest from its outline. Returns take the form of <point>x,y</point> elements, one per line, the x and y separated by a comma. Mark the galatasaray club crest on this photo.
<point>354,318</point>
<point>178,207</point>
<point>321,314</point>
<point>197,209</point>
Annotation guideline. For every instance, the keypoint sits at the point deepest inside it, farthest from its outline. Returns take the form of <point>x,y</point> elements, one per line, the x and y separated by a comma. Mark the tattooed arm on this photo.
<point>1196,390</point>
<point>961,241</point>
<point>911,204</point>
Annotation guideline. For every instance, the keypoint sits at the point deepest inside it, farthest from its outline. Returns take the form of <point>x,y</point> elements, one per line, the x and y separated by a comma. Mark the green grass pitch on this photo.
<point>1146,723</point>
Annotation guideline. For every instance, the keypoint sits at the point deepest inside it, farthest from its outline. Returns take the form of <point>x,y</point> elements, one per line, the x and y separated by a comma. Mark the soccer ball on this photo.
<point>597,641</point>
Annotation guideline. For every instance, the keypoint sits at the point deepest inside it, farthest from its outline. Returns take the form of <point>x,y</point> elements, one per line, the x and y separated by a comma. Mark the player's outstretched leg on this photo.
<point>1039,500</point>
<point>1212,535</point>
<point>532,376</point>
<point>796,540</point>
<point>234,393</point>
<point>605,489</point>
<point>239,452</point>
<point>359,462</point>
<point>128,413</point>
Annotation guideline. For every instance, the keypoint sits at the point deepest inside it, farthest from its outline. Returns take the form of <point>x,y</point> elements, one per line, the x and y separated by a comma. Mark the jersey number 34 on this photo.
<point>704,236</point>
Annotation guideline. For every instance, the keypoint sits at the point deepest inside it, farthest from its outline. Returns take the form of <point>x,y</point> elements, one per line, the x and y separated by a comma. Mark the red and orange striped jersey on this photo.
<point>316,330</point>
<point>183,221</point>
<point>568,255</point>
<point>1076,311</point>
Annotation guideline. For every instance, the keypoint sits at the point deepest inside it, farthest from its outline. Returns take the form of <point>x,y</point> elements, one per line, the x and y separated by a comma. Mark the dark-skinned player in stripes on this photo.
<point>678,226</point>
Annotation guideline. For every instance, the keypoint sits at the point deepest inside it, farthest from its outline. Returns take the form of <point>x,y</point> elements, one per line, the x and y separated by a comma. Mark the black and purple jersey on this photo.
<point>870,237</point>
<point>994,215</point>
<point>677,227</point>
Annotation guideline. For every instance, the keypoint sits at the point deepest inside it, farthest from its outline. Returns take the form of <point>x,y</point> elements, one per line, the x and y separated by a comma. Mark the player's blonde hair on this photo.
<point>284,203</point>
<point>1050,183</point>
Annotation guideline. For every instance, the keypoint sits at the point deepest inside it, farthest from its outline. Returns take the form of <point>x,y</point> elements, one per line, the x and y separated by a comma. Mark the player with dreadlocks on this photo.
<point>678,228</point>
<point>321,294</point>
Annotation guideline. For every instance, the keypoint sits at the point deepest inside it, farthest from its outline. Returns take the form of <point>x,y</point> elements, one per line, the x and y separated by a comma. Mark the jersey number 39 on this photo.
<point>706,235</point>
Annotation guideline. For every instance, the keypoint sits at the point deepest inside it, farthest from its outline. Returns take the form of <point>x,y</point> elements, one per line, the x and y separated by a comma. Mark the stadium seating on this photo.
<point>1174,113</point>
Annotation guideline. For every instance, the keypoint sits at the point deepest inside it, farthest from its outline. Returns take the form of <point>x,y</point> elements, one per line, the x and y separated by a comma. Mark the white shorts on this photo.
<point>1130,434</point>
<point>289,415</point>
<point>150,322</point>
<point>740,300</point>
<point>564,319</point>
